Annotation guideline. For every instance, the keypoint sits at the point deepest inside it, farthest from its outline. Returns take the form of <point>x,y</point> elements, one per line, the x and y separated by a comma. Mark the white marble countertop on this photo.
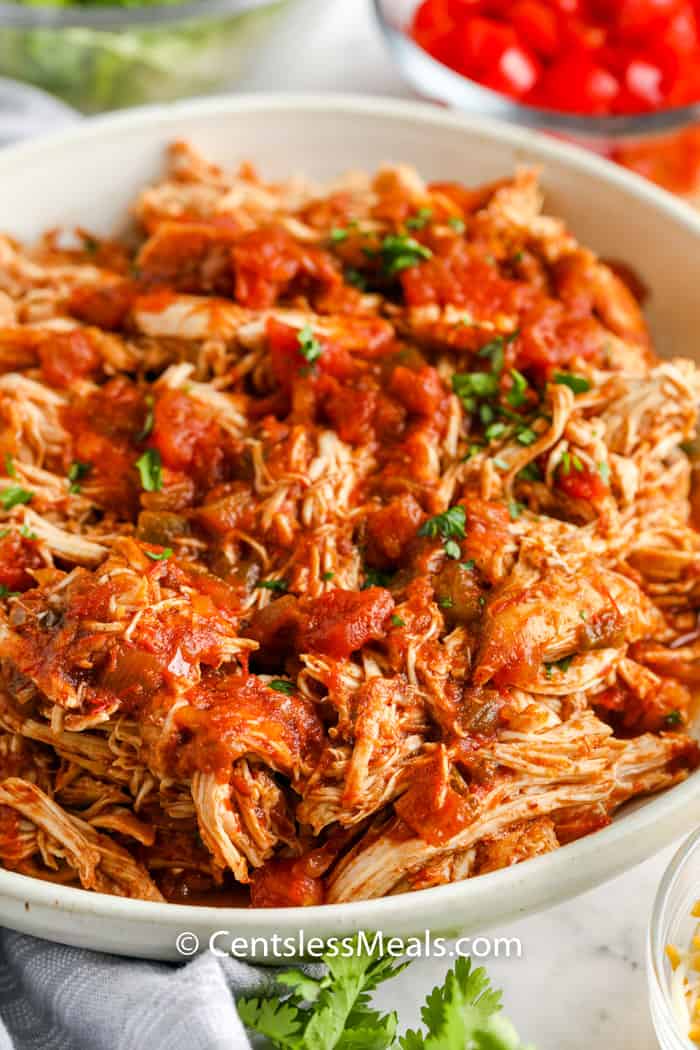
<point>581,981</point>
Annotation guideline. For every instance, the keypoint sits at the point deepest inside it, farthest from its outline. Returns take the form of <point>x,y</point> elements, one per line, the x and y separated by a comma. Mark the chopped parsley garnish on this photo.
<point>281,685</point>
<point>14,496</point>
<point>516,396</point>
<point>397,621</point>
<point>399,252</point>
<point>579,384</point>
<point>468,386</point>
<point>4,533</point>
<point>445,602</point>
<point>530,472</point>
<point>604,471</point>
<point>338,234</point>
<point>457,224</point>
<point>5,592</point>
<point>515,509</point>
<point>272,585</point>
<point>467,565</point>
<point>449,526</point>
<point>673,718</point>
<point>495,430</point>
<point>76,472</point>
<point>327,576</point>
<point>149,466</point>
<point>309,345</point>
<point>495,349</point>
<point>10,466</point>
<point>163,555</point>
<point>526,436</point>
<point>149,419</point>
<point>562,666</point>
<point>27,534</point>
<point>420,219</point>
<point>374,578</point>
<point>356,278</point>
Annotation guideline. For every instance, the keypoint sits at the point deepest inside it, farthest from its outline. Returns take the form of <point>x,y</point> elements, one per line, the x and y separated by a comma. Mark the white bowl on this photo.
<point>89,175</point>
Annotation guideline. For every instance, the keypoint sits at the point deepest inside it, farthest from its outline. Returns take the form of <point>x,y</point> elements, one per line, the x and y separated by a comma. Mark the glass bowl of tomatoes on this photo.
<point>621,77</point>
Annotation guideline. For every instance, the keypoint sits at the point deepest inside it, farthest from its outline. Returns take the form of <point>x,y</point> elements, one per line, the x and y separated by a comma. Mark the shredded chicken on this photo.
<point>346,541</point>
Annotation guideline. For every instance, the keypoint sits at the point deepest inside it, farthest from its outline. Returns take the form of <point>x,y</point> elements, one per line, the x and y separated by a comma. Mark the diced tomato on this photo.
<point>391,529</point>
<point>182,436</point>
<point>285,883</point>
<point>575,83</point>
<point>103,305</point>
<point>341,622</point>
<point>537,25</point>
<point>18,554</point>
<point>644,16</point>
<point>421,392</point>
<point>582,483</point>
<point>67,356</point>
<point>267,261</point>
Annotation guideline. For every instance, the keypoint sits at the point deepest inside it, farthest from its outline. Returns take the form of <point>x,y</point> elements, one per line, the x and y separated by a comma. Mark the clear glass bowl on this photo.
<point>100,58</point>
<point>672,923</point>
<point>663,146</point>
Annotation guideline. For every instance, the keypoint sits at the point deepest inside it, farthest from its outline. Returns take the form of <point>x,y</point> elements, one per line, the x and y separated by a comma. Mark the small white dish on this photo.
<point>90,174</point>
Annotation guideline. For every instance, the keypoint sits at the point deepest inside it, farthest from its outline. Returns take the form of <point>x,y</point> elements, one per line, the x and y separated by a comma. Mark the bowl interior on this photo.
<point>90,175</point>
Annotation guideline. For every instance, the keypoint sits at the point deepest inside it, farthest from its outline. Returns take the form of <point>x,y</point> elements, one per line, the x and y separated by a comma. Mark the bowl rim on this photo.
<point>105,18</point>
<point>523,888</point>
<point>447,84</point>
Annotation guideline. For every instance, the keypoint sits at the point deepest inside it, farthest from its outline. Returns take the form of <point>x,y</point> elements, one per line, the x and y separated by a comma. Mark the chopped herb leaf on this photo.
<point>4,533</point>
<point>526,436</point>
<point>76,472</point>
<point>445,602</point>
<point>579,384</point>
<point>281,685</point>
<point>399,252</point>
<point>5,592</point>
<point>566,463</point>
<point>149,466</point>
<point>272,585</point>
<point>27,534</point>
<point>449,524</point>
<point>163,555</point>
<point>338,235</point>
<point>309,345</point>
<point>583,614</point>
<point>604,471</point>
<point>517,394</point>
<point>530,472</point>
<point>495,430</point>
<point>494,349</point>
<point>397,621</point>
<point>327,576</point>
<point>576,462</point>
<point>486,413</point>
<point>673,718</point>
<point>515,509</point>
<point>562,666</point>
<point>373,578</point>
<point>452,549</point>
<point>420,219</point>
<point>472,451</point>
<point>468,565</point>
<point>10,466</point>
<point>356,278</point>
<point>468,385</point>
<point>14,496</point>
<point>457,224</point>
<point>149,419</point>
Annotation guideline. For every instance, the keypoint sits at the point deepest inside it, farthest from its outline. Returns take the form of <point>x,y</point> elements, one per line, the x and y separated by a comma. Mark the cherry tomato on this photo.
<point>537,25</point>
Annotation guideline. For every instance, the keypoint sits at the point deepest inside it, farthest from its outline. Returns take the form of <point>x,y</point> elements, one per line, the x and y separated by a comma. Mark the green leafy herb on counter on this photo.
<point>334,1012</point>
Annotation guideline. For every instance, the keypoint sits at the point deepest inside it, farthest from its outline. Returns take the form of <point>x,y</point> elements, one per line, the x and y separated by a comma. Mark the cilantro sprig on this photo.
<point>399,252</point>
<point>334,1012</point>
